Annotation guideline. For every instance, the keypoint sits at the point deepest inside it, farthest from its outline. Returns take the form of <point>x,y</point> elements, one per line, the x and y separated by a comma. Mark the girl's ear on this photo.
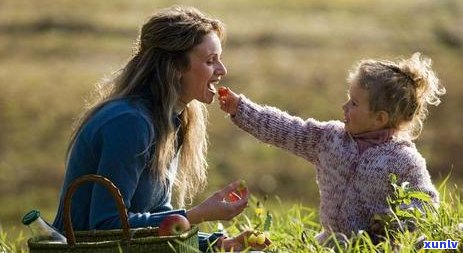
<point>382,118</point>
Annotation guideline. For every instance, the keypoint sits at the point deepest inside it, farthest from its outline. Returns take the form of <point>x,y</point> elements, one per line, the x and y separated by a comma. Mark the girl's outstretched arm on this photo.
<point>273,126</point>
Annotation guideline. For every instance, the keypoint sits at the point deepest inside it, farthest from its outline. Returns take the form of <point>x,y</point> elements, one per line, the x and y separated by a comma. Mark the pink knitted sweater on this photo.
<point>353,186</point>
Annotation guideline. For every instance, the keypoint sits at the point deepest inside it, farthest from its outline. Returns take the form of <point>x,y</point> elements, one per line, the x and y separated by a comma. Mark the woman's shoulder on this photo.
<point>124,106</point>
<point>120,110</point>
<point>120,106</point>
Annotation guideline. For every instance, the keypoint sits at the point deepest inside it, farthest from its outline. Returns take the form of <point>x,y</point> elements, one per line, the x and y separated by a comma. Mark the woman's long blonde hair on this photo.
<point>154,73</point>
<point>403,89</point>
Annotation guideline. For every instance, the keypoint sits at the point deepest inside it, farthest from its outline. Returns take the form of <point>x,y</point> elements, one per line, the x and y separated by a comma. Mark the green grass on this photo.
<point>294,227</point>
<point>13,245</point>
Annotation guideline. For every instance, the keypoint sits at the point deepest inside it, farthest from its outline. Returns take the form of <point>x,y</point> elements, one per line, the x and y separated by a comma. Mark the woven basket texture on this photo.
<point>126,240</point>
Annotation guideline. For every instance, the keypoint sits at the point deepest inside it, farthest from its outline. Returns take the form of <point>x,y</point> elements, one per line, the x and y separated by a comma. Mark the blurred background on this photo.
<point>293,54</point>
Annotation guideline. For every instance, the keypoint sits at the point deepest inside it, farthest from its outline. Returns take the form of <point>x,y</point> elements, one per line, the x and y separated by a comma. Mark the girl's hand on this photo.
<point>241,242</point>
<point>218,206</point>
<point>228,100</point>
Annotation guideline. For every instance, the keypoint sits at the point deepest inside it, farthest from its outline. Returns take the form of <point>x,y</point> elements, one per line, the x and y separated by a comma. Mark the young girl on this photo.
<point>386,107</point>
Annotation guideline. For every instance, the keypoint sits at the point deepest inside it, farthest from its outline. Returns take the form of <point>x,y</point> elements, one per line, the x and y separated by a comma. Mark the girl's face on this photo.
<point>205,71</point>
<point>357,115</point>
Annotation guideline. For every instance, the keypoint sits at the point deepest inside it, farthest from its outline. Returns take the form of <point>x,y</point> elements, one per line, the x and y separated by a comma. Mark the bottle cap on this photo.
<point>31,216</point>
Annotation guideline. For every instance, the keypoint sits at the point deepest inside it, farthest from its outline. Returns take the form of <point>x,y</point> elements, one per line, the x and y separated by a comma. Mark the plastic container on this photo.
<point>41,230</point>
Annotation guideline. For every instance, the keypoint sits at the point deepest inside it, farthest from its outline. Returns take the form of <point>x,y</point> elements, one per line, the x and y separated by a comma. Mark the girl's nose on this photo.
<point>344,107</point>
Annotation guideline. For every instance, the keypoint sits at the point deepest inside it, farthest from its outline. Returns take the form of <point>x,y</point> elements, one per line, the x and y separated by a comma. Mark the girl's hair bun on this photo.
<point>425,81</point>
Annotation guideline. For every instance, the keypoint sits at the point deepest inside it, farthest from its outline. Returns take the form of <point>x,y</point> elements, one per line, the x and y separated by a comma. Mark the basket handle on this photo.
<point>71,239</point>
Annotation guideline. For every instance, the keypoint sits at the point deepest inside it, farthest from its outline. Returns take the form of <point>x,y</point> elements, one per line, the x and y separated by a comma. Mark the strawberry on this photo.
<point>233,197</point>
<point>242,189</point>
<point>223,91</point>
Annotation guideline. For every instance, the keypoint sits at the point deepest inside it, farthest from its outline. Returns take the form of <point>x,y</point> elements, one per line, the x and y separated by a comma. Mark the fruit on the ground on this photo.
<point>252,239</point>
<point>173,224</point>
<point>260,239</point>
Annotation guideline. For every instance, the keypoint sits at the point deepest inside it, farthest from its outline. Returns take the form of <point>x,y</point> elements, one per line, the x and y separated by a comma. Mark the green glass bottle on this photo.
<point>41,230</point>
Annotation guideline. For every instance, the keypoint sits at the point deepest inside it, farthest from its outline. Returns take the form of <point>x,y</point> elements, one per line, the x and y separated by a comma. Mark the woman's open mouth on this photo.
<point>211,86</point>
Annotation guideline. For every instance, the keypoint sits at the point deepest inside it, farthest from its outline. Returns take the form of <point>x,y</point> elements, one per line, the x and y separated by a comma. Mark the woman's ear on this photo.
<point>382,119</point>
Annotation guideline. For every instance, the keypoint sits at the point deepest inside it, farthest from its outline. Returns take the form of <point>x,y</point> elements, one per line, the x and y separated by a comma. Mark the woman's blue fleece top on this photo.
<point>117,143</point>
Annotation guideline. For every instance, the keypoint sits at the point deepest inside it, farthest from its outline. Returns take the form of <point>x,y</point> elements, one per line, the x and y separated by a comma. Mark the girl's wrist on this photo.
<point>234,107</point>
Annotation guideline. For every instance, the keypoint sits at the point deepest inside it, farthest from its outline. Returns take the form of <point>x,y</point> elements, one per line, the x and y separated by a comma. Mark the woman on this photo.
<point>147,131</point>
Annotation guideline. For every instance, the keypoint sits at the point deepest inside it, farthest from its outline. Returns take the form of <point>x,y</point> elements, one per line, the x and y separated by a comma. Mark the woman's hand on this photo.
<point>228,100</point>
<point>218,206</point>
<point>241,242</point>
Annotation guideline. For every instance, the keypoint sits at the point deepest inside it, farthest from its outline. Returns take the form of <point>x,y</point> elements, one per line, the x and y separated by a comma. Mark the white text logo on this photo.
<point>449,244</point>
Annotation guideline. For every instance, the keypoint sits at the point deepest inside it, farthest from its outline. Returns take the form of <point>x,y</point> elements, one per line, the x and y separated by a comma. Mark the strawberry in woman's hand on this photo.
<point>233,196</point>
<point>242,187</point>
<point>239,193</point>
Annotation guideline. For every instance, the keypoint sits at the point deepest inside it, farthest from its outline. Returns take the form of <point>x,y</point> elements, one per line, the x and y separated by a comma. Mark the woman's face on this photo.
<point>206,69</point>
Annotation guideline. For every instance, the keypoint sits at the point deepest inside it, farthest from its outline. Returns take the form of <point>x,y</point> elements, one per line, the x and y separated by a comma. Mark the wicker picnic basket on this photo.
<point>138,240</point>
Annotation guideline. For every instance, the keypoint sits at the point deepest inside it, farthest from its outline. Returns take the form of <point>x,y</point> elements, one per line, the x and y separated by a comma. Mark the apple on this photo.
<point>173,224</point>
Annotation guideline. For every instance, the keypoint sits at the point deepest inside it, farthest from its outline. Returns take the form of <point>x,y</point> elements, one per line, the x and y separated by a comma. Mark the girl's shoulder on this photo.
<point>334,129</point>
<point>402,151</point>
<point>402,145</point>
<point>335,125</point>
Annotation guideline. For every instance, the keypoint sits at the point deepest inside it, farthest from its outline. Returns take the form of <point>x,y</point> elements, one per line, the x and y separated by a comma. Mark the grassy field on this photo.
<point>292,228</point>
<point>293,54</point>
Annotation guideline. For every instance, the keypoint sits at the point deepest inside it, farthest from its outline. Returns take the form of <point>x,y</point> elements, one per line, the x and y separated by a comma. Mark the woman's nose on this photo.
<point>221,69</point>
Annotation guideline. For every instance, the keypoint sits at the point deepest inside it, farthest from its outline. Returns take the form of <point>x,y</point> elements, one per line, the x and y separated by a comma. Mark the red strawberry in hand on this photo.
<point>223,91</point>
<point>233,197</point>
<point>238,194</point>
<point>242,188</point>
